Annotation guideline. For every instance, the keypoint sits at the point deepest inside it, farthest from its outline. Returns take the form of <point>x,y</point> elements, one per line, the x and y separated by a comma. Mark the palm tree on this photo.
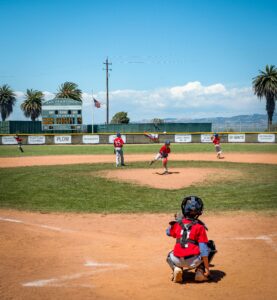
<point>7,101</point>
<point>32,104</point>
<point>69,90</point>
<point>265,85</point>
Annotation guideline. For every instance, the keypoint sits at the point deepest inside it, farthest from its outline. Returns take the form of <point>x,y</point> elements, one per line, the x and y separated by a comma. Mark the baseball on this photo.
<point>164,131</point>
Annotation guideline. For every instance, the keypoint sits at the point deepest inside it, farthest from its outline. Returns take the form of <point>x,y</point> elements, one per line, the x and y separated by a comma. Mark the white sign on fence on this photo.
<point>36,140</point>
<point>183,138</point>
<point>236,138</point>
<point>91,139</point>
<point>206,138</point>
<point>8,140</point>
<point>112,137</point>
<point>266,138</point>
<point>62,139</point>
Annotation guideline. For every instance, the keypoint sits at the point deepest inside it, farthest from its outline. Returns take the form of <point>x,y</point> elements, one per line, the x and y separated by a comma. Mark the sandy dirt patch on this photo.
<point>109,257</point>
<point>176,179</point>
<point>9,162</point>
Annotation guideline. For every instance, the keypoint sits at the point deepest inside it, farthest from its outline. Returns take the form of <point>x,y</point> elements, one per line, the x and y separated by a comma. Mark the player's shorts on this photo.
<point>217,148</point>
<point>189,263</point>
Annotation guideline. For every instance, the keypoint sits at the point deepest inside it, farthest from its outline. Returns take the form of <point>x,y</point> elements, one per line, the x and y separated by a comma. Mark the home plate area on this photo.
<point>94,256</point>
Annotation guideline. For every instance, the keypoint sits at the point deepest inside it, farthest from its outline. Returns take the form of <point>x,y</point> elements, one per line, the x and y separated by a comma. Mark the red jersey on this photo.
<point>18,139</point>
<point>164,150</point>
<point>216,140</point>
<point>118,142</point>
<point>197,233</point>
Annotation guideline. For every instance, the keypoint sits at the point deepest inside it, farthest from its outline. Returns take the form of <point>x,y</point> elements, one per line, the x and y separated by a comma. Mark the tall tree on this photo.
<point>69,90</point>
<point>7,101</point>
<point>120,118</point>
<point>32,104</point>
<point>265,85</point>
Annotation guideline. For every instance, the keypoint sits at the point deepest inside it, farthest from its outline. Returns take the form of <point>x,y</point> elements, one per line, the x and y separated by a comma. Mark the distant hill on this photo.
<point>255,122</point>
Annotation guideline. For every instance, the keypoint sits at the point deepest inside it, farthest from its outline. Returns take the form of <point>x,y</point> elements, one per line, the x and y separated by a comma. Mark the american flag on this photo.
<point>96,103</point>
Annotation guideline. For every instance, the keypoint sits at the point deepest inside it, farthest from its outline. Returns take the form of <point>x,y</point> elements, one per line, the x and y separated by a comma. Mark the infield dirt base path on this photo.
<point>109,257</point>
<point>8,162</point>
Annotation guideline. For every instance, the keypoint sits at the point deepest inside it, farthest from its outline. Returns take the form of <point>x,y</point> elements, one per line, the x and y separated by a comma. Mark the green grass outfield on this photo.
<point>77,188</point>
<point>31,150</point>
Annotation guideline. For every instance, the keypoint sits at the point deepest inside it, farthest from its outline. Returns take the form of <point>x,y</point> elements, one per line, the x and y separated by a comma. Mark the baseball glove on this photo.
<point>164,154</point>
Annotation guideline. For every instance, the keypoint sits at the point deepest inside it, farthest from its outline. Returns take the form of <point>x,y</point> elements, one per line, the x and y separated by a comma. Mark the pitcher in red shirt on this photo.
<point>192,250</point>
<point>163,155</point>
<point>118,145</point>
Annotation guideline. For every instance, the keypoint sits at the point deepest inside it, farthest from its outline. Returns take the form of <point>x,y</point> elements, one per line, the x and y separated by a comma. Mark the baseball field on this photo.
<point>74,226</point>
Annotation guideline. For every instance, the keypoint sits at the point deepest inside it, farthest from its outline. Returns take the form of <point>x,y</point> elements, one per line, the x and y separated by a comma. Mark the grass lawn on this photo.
<point>77,188</point>
<point>30,150</point>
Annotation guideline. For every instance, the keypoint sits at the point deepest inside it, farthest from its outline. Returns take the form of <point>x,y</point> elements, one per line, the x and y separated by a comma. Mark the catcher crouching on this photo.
<point>193,250</point>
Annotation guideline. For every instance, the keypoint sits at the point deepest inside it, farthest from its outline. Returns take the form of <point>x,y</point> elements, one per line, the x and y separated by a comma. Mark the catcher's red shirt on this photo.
<point>197,233</point>
<point>118,142</point>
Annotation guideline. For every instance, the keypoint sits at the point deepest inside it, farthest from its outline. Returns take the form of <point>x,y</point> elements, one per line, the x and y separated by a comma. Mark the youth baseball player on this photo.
<point>216,141</point>
<point>192,250</point>
<point>163,155</point>
<point>118,145</point>
<point>19,142</point>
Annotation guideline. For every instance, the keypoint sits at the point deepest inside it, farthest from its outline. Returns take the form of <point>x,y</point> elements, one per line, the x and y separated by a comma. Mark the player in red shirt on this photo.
<point>19,142</point>
<point>118,145</point>
<point>163,155</point>
<point>216,140</point>
<point>192,250</point>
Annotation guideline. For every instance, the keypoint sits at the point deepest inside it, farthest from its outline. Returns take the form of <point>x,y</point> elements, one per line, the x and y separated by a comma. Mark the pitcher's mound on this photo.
<point>176,179</point>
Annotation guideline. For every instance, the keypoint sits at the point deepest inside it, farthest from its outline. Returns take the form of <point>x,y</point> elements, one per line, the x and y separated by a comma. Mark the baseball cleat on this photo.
<point>199,276</point>
<point>177,275</point>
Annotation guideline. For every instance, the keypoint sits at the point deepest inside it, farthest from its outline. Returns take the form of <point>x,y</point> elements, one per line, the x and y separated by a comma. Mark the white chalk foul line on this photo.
<point>63,280</point>
<point>10,220</point>
<point>37,225</point>
<point>266,238</point>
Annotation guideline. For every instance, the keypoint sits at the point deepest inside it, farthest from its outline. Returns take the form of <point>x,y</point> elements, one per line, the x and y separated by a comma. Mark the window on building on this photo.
<point>69,112</point>
<point>56,112</point>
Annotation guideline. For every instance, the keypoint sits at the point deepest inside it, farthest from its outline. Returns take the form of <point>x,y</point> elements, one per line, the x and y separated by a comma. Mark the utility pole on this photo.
<point>107,88</point>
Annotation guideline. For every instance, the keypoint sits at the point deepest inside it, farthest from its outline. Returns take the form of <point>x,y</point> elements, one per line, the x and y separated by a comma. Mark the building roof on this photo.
<point>62,102</point>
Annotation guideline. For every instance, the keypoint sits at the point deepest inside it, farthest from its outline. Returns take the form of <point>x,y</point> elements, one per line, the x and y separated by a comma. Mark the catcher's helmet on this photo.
<point>167,142</point>
<point>118,134</point>
<point>192,206</point>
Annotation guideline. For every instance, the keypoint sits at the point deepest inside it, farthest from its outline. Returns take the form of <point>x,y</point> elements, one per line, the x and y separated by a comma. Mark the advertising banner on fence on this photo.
<point>112,137</point>
<point>236,138</point>
<point>91,139</point>
<point>8,140</point>
<point>62,139</point>
<point>183,138</point>
<point>36,140</point>
<point>266,138</point>
<point>206,138</point>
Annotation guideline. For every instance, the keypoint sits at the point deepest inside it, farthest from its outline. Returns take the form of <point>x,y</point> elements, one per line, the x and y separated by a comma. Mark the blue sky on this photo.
<point>170,58</point>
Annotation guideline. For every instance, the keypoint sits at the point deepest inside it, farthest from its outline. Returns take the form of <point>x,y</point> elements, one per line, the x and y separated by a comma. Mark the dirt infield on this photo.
<point>110,257</point>
<point>89,256</point>
<point>9,162</point>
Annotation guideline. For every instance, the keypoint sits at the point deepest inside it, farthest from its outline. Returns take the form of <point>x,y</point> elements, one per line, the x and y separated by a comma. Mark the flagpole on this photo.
<point>92,121</point>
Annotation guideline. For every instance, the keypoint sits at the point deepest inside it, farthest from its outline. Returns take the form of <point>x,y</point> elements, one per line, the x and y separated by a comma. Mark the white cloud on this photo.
<point>191,100</point>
